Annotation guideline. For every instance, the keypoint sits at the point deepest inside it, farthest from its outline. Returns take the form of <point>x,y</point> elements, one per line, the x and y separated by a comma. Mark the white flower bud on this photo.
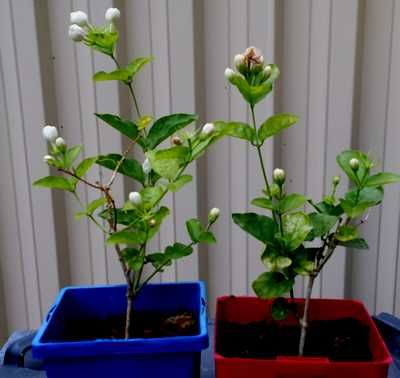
<point>207,129</point>
<point>267,70</point>
<point>239,61</point>
<point>152,222</point>
<point>79,18</point>
<point>229,72</point>
<point>135,198</point>
<point>60,142</point>
<point>112,14</point>
<point>76,33</point>
<point>146,166</point>
<point>213,214</point>
<point>50,133</point>
<point>48,159</point>
<point>279,175</point>
<point>354,164</point>
<point>336,180</point>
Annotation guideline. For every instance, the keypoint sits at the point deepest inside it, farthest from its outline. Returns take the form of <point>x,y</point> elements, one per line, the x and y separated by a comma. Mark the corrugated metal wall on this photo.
<point>340,70</point>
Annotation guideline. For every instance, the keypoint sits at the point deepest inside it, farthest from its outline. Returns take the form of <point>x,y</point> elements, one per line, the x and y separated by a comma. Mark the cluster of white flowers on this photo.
<point>80,23</point>
<point>50,134</point>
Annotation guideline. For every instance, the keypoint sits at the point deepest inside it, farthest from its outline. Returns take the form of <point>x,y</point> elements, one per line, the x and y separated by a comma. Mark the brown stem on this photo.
<point>129,308</point>
<point>304,320</point>
<point>95,186</point>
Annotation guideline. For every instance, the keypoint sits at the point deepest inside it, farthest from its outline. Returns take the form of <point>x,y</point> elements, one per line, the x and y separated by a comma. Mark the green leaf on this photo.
<point>261,227</point>
<point>102,39</point>
<point>125,127</point>
<point>358,243</point>
<point>125,217</point>
<point>129,167</point>
<point>292,202</point>
<point>54,182</point>
<point>382,178</point>
<point>195,229</point>
<point>158,260</point>
<point>275,125</point>
<point>127,237</point>
<point>329,209</point>
<point>276,263</point>
<point>296,227</point>
<point>356,201</point>
<point>271,285</point>
<point>133,258</point>
<point>346,233</point>
<point>343,159</point>
<point>280,308</point>
<point>165,126</point>
<point>137,64</point>
<point>236,129</point>
<point>263,202</point>
<point>71,155</point>
<point>179,183</point>
<point>158,216</point>
<point>321,223</point>
<point>95,204</point>
<point>166,163</point>
<point>85,165</point>
<point>151,195</point>
<point>177,251</point>
<point>120,74</point>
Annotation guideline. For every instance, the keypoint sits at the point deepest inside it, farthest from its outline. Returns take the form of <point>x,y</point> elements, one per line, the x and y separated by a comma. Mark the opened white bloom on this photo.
<point>279,175</point>
<point>146,166</point>
<point>207,129</point>
<point>60,142</point>
<point>135,198</point>
<point>112,14</point>
<point>354,164</point>
<point>79,18</point>
<point>213,214</point>
<point>229,72</point>
<point>50,133</point>
<point>76,33</point>
<point>48,159</point>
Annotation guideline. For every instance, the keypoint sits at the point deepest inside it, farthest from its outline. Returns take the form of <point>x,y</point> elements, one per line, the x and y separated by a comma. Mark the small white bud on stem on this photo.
<point>76,33</point>
<point>213,214</point>
<point>50,133</point>
<point>135,198</point>
<point>279,176</point>
<point>354,164</point>
<point>207,129</point>
<point>146,166</point>
<point>79,18</point>
<point>112,14</point>
<point>229,73</point>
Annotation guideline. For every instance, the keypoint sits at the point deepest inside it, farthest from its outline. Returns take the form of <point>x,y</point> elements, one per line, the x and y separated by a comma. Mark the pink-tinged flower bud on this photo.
<point>50,133</point>
<point>112,14</point>
<point>76,33</point>
<point>354,164</point>
<point>79,18</point>
<point>135,198</point>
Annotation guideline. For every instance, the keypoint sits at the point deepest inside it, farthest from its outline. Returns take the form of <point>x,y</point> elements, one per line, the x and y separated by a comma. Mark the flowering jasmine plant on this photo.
<point>131,225</point>
<point>298,241</point>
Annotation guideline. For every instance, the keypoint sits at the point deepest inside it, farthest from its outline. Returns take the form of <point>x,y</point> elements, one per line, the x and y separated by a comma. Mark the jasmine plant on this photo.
<point>130,226</point>
<point>299,235</point>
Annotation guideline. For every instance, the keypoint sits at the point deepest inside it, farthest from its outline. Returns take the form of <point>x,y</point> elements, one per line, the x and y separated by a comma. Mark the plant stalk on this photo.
<point>129,308</point>
<point>304,320</point>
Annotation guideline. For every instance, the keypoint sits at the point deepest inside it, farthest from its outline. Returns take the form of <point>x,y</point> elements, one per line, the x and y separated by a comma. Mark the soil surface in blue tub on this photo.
<point>143,325</point>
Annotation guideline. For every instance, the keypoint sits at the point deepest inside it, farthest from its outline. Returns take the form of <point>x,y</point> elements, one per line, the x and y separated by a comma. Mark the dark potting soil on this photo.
<point>343,339</point>
<point>143,325</point>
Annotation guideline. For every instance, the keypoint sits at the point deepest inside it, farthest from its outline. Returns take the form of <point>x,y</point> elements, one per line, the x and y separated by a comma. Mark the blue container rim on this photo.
<point>139,346</point>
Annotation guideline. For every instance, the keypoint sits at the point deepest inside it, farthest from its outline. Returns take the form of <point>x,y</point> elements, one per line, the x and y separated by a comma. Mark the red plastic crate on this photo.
<point>250,309</point>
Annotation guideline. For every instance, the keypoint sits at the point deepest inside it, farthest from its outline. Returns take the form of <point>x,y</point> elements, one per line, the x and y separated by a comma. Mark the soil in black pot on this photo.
<point>143,325</point>
<point>343,339</point>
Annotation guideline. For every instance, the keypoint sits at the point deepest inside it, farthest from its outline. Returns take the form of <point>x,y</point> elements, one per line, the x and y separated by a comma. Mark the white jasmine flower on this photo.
<point>213,214</point>
<point>354,164</point>
<point>279,175</point>
<point>135,198</point>
<point>60,142</point>
<point>112,14</point>
<point>146,166</point>
<point>207,129</point>
<point>50,133</point>
<point>79,18</point>
<point>229,72</point>
<point>76,33</point>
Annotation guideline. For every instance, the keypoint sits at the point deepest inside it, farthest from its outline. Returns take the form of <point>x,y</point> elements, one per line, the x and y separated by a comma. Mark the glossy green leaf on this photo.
<point>263,202</point>
<point>102,39</point>
<point>236,129</point>
<point>125,217</point>
<point>291,202</point>
<point>85,165</point>
<point>167,163</point>
<point>275,124</point>
<point>137,64</point>
<point>120,74</point>
<point>133,258</point>
<point>158,260</point>
<point>127,237</point>
<point>346,233</point>
<point>179,183</point>
<point>95,204</point>
<point>151,195</point>
<point>272,285</point>
<point>261,227</point>
<point>382,178</point>
<point>276,263</point>
<point>54,182</point>
<point>71,155</point>
<point>178,250</point>
<point>158,216</point>
<point>343,159</point>
<point>357,243</point>
<point>129,167</point>
<point>296,227</point>
<point>321,223</point>
<point>125,127</point>
<point>166,126</point>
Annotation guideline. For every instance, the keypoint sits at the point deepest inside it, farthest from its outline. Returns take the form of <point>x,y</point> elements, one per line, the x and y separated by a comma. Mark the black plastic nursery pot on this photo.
<point>177,356</point>
<point>244,311</point>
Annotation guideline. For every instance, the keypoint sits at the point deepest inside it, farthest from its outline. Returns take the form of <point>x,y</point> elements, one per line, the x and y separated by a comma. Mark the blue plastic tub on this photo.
<point>177,357</point>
